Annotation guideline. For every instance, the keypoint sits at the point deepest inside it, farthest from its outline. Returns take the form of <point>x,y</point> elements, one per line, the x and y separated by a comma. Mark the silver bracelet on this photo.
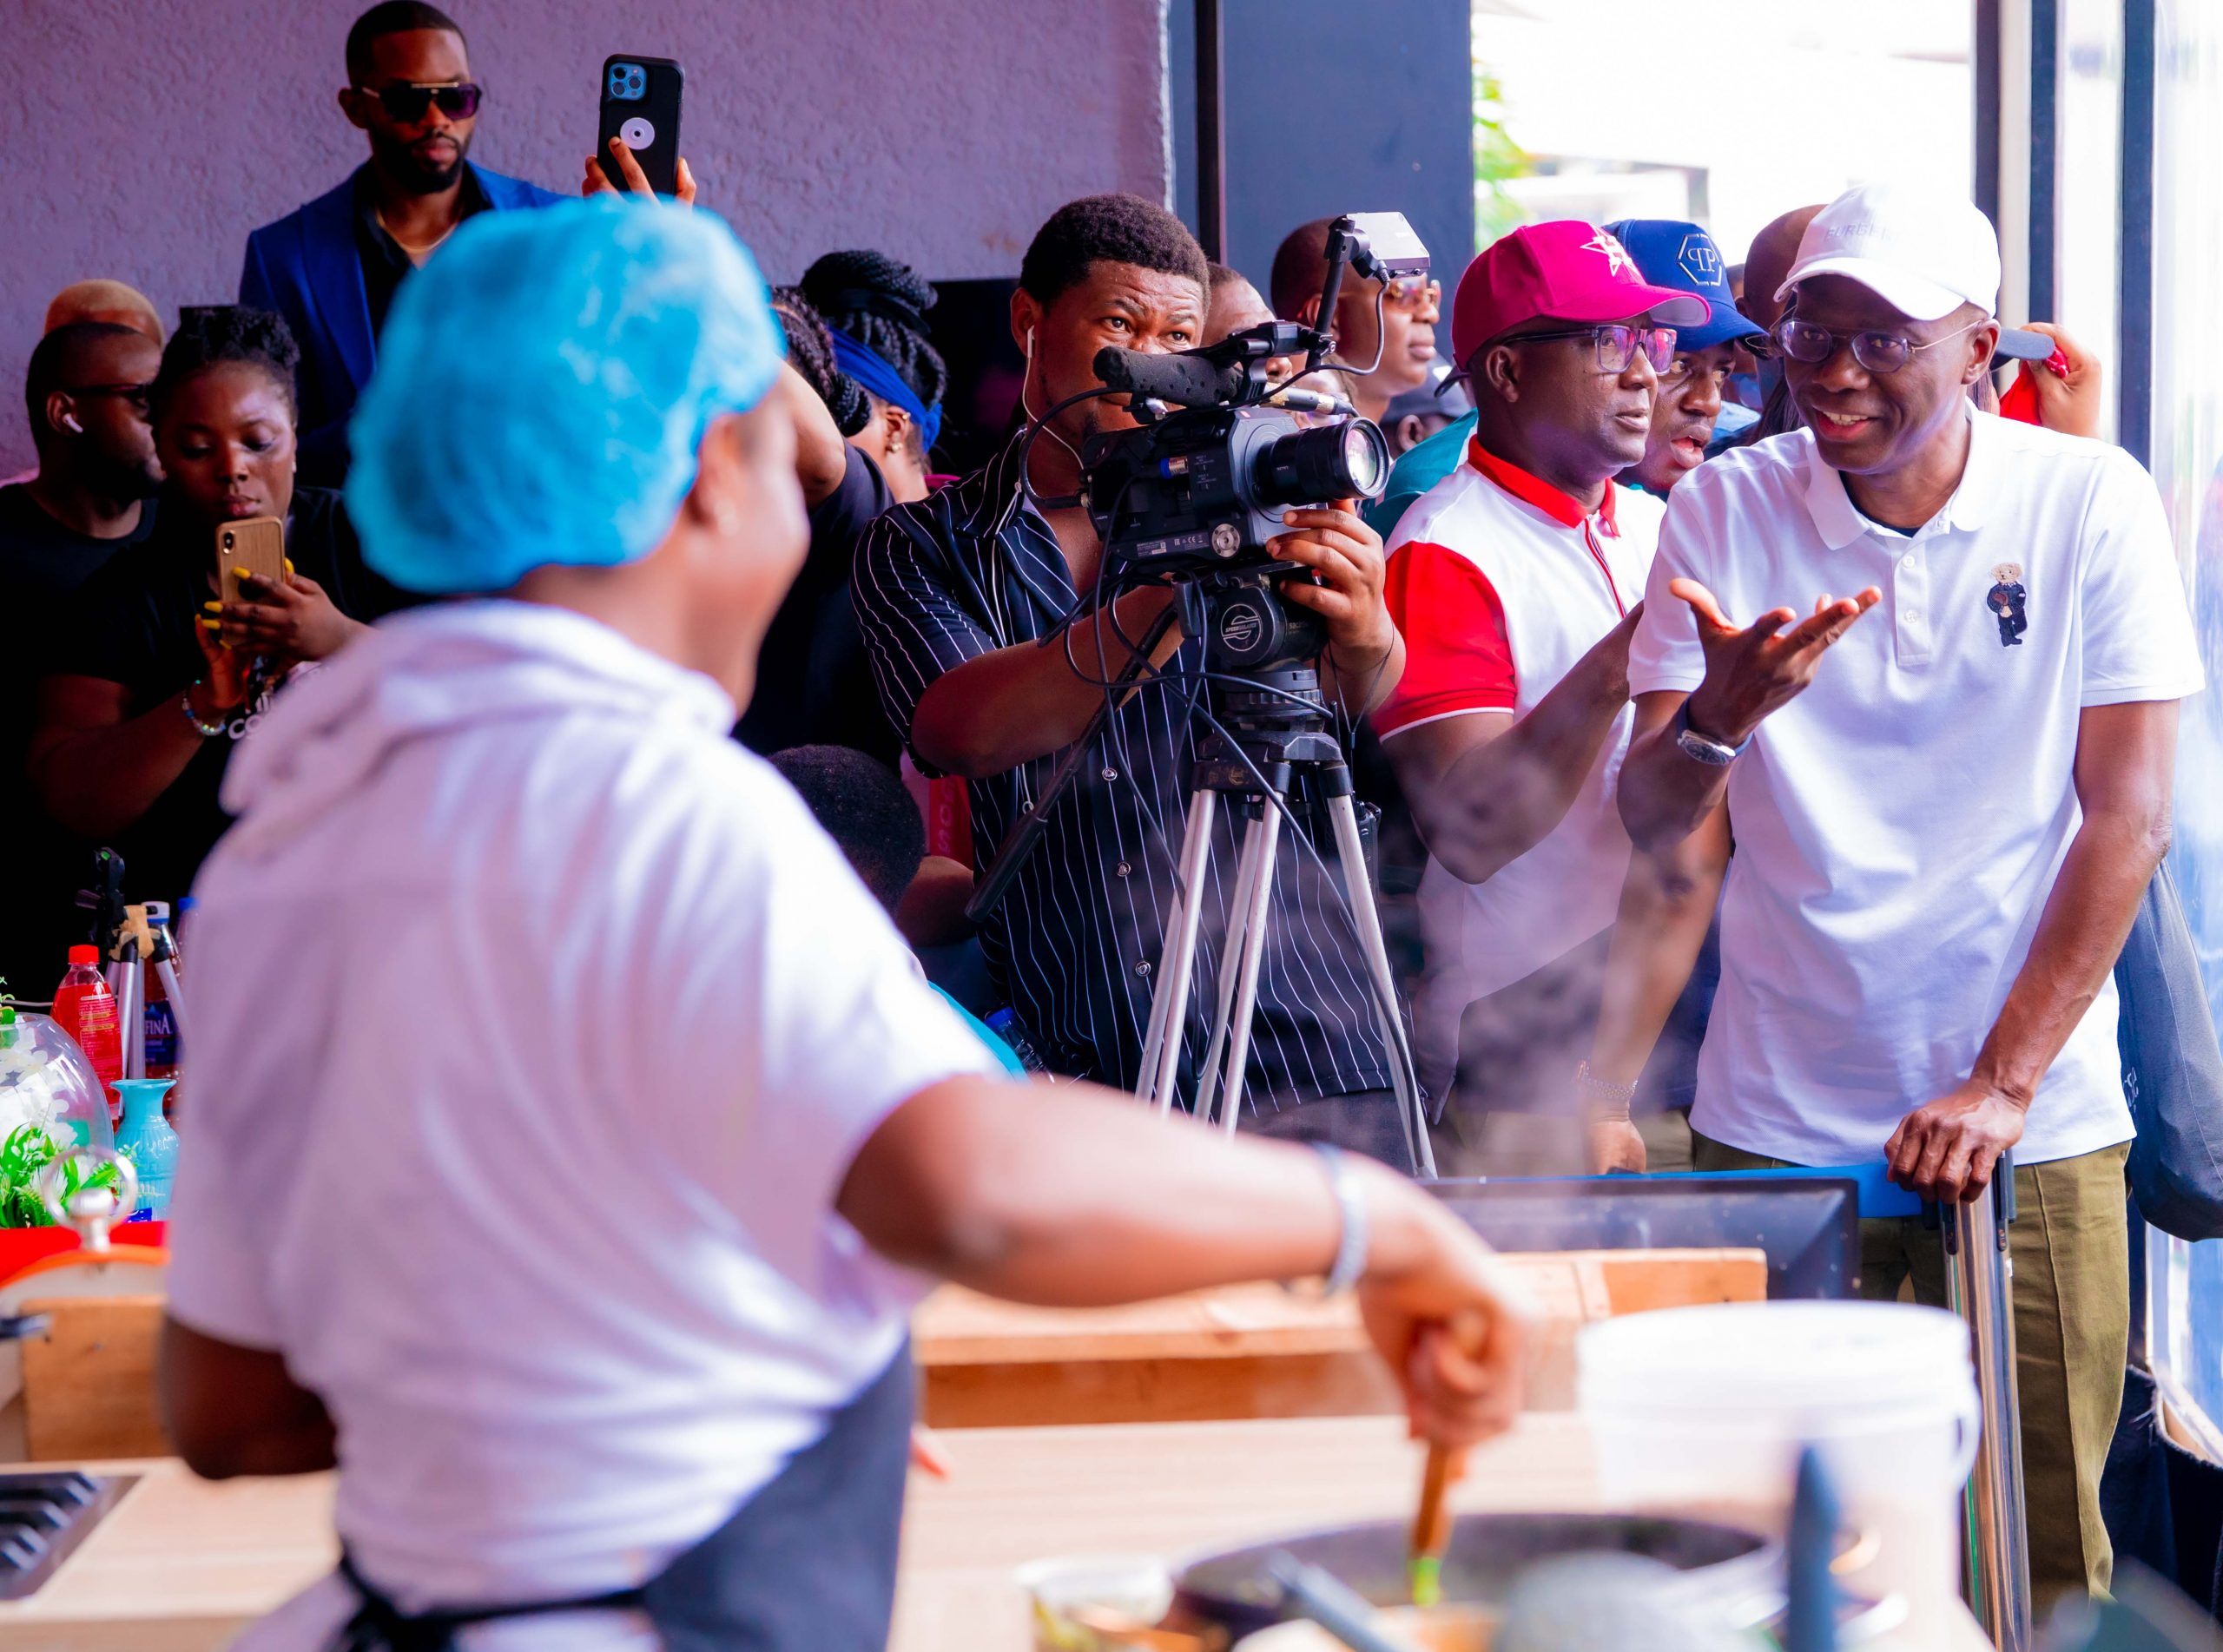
<point>1350,1204</point>
<point>207,731</point>
<point>1602,1097</point>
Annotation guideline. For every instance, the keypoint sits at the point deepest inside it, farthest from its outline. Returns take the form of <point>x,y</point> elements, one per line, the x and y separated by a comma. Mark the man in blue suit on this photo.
<point>332,268</point>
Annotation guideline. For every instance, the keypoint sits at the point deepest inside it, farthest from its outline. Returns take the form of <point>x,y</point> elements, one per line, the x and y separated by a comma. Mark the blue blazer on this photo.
<point>304,266</point>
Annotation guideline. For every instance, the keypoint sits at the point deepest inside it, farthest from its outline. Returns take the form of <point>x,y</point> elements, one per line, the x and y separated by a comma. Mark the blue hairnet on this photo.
<point>543,387</point>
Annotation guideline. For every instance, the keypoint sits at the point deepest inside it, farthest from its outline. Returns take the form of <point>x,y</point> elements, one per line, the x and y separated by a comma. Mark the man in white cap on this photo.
<point>1944,828</point>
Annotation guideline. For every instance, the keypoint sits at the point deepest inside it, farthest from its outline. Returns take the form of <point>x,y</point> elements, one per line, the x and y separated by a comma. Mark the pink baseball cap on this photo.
<point>1567,269</point>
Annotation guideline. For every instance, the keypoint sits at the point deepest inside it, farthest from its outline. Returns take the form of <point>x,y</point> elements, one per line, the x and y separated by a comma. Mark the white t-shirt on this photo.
<point>1501,583</point>
<point>536,1024</point>
<point>1900,824</point>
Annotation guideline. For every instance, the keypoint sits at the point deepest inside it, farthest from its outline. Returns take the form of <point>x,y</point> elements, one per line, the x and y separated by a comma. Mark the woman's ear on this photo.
<point>899,429</point>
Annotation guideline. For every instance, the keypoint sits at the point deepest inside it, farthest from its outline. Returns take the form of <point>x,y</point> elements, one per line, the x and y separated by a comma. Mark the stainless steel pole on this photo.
<point>1979,1285</point>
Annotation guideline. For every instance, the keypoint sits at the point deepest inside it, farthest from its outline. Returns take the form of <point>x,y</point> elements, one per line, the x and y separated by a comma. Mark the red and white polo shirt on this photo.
<point>1501,583</point>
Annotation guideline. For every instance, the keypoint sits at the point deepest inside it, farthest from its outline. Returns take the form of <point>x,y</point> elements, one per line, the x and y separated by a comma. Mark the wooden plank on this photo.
<point>1255,1351</point>
<point>89,1382</point>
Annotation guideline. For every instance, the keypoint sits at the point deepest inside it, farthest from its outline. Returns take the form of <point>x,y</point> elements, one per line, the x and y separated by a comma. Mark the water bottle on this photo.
<point>86,1009</point>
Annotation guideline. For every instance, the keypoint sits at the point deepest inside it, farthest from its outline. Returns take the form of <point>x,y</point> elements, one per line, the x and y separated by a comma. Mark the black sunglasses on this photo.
<point>406,102</point>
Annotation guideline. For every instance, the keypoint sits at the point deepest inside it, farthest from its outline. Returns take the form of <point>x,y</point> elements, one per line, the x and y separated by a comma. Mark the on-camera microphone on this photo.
<point>1189,379</point>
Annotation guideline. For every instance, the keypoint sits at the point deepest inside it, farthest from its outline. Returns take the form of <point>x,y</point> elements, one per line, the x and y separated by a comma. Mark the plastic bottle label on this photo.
<point>161,1039</point>
<point>97,1036</point>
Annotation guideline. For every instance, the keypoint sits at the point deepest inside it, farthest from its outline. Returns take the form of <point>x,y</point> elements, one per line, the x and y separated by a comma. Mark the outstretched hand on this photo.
<point>1758,668</point>
<point>631,180</point>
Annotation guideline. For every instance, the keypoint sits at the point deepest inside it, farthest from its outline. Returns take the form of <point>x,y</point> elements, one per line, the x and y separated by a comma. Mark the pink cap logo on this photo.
<point>1616,256</point>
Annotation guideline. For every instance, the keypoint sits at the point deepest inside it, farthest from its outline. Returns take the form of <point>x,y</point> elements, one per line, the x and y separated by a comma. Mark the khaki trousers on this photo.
<point>2071,1248</point>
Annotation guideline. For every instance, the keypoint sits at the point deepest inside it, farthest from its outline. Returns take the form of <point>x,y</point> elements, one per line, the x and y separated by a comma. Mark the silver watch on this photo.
<point>1699,747</point>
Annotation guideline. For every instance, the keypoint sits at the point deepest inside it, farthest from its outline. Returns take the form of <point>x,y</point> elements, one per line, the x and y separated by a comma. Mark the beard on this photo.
<point>122,476</point>
<point>401,163</point>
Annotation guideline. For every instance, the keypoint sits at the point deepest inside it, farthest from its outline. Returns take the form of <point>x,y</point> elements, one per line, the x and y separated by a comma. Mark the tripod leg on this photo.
<point>1368,921</point>
<point>166,973</point>
<point>1230,957</point>
<point>1169,1005</point>
<point>1266,830</point>
<point>131,1017</point>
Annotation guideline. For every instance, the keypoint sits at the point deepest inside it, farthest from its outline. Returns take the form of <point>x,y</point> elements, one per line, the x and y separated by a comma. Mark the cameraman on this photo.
<point>962,598</point>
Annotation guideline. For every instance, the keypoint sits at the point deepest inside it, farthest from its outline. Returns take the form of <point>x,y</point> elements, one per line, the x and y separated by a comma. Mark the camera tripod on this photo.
<point>1271,727</point>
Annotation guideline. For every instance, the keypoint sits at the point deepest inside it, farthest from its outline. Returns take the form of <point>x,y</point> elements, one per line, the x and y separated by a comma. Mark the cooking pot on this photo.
<point>1734,1571</point>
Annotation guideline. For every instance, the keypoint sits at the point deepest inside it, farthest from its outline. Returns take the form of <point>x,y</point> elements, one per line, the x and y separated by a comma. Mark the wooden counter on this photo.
<point>182,1566</point>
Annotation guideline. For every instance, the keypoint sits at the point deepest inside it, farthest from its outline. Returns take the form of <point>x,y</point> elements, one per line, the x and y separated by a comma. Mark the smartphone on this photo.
<point>257,544</point>
<point>640,103</point>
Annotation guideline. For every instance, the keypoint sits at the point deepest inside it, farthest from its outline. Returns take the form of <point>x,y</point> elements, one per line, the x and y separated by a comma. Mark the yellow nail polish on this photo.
<point>211,607</point>
<point>289,568</point>
<point>241,573</point>
<point>213,625</point>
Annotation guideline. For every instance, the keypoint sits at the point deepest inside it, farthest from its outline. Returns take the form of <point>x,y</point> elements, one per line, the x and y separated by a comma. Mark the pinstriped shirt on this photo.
<point>1076,942</point>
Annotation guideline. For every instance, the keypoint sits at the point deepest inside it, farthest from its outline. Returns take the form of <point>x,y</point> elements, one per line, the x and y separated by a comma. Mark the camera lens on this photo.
<point>1348,458</point>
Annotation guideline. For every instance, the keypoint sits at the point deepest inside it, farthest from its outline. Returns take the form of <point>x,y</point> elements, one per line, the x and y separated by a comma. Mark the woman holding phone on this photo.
<point>151,675</point>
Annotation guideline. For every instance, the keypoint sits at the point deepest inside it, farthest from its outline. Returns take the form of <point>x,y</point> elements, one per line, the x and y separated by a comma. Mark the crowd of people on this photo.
<point>1786,719</point>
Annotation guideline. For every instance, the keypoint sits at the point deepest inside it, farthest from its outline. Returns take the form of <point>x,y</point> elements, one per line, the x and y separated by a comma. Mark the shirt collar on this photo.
<point>1839,521</point>
<point>1562,508</point>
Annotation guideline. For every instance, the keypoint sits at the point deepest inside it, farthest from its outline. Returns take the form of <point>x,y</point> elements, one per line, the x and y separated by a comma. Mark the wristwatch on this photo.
<point>1699,747</point>
<point>1601,1098</point>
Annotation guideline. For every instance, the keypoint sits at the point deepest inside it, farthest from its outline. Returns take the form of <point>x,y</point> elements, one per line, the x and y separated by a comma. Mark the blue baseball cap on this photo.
<point>1670,253</point>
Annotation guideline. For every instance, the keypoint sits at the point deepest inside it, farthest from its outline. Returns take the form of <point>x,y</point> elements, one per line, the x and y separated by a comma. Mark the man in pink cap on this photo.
<point>1948,793</point>
<point>1515,582</point>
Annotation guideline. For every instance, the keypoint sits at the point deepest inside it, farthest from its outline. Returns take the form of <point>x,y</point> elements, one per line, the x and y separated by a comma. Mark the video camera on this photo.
<point>1219,451</point>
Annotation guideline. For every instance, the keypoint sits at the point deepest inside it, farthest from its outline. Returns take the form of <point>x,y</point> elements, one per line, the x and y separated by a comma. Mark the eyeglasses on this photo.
<point>1414,292</point>
<point>1618,344</point>
<point>406,102</point>
<point>1879,352</point>
<point>135,394</point>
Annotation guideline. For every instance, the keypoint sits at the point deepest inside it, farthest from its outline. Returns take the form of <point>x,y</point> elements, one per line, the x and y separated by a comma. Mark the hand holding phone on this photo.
<point>640,110</point>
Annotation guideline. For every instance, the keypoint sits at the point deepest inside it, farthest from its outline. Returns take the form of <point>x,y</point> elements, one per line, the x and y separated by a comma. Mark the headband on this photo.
<point>871,369</point>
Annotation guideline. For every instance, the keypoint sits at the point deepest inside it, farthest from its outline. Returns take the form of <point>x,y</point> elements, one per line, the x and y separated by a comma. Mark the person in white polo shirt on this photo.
<point>1949,791</point>
<point>1515,582</point>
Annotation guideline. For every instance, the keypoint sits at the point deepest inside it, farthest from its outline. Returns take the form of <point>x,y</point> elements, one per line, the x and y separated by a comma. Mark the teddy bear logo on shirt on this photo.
<point>2006,602</point>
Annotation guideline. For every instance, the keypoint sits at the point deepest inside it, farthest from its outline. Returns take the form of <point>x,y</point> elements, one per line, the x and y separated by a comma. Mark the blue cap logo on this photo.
<point>1701,258</point>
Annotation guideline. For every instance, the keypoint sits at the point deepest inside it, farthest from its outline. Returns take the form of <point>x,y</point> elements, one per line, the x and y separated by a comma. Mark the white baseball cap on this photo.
<point>1923,254</point>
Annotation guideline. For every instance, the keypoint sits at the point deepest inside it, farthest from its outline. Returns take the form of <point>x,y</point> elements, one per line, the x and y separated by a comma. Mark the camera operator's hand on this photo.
<point>632,179</point>
<point>1364,649</point>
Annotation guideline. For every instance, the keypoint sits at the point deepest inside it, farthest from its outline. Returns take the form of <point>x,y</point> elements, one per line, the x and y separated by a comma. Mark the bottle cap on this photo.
<point>84,955</point>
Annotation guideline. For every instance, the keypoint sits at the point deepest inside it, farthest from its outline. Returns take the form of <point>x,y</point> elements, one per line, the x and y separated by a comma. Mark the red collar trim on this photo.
<point>1530,490</point>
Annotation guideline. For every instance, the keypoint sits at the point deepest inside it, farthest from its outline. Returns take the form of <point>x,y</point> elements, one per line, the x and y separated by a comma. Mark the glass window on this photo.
<point>1701,121</point>
<point>2090,173</point>
<point>2185,1281</point>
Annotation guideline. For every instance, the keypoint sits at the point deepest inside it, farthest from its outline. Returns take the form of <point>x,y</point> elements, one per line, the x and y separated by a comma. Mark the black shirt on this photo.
<point>1076,943</point>
<point>132,623</point>
<point>814,680</point>
<point>42,563</point>
<point>385,265</point>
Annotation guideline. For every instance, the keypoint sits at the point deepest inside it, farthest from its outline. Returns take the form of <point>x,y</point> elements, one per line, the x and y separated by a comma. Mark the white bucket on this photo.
<point>1703,1410</point>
